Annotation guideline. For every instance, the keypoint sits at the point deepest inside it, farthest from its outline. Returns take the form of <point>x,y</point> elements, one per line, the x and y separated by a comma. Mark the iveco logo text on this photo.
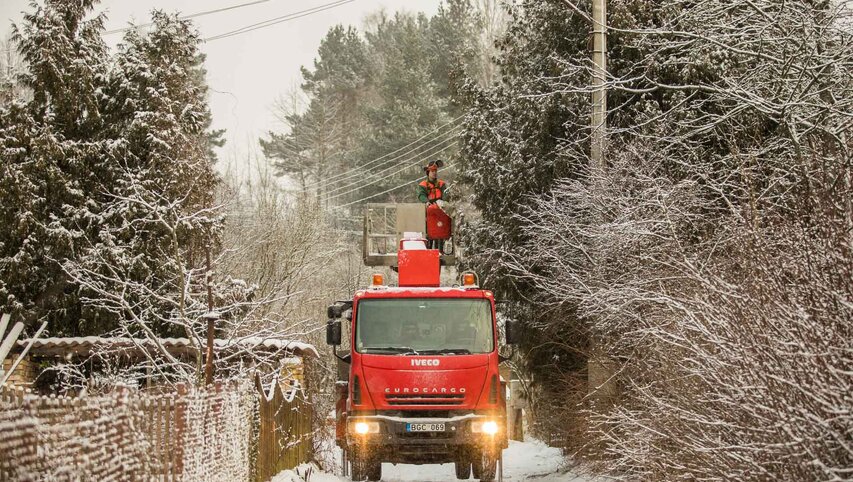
<point>424,363</point>
<point>425,390</point>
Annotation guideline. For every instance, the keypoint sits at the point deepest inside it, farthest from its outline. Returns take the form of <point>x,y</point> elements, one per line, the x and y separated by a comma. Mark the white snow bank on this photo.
<point>304,473</point>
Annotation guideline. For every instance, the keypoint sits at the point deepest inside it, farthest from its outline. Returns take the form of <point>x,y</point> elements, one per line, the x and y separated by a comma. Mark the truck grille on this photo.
<point>424,399</point>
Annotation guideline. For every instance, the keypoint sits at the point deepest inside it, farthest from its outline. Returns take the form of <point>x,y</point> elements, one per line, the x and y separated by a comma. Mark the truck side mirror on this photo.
<point>509,332</point>
<point>333,311</point>
<point>333,332</point>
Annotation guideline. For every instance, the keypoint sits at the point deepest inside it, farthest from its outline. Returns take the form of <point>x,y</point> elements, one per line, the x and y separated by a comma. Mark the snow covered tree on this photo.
<point>159,222</point>
<point>53,171</point>
<point>407,106</point>
<point>312,150</point>
<point>99,167</point>
<point>384,89</point>
<point>512,151</point>
<point>453,42</point>
<point>11,66</point>
<point>494,17</point>
<point>323,121</point>
<point>704,255</point>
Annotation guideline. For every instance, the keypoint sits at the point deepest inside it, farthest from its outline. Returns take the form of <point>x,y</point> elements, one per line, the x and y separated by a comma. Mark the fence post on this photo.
<point>169,439</point>
<point>180,423</point>
<point>264,430</point>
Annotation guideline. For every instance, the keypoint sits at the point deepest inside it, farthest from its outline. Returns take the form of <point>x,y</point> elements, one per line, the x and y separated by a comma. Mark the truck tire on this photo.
<point>365,468</point>
<point>374,471</point>
<point>485,466</point>
<point>463,468</point>
<point>360,467</point>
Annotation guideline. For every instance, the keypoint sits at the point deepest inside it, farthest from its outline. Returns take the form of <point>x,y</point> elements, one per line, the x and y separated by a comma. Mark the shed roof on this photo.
<point>87,345</point>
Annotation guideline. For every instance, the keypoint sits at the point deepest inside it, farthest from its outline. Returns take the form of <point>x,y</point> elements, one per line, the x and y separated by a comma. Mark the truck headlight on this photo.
<point>362,427</point>
<point>488,427</point>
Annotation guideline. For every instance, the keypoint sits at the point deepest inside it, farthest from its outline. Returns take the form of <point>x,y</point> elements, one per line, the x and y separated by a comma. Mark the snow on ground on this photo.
<point>530,460</point>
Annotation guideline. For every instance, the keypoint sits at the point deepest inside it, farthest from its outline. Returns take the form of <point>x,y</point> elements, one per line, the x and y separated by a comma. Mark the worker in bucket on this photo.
<point>432,189</point>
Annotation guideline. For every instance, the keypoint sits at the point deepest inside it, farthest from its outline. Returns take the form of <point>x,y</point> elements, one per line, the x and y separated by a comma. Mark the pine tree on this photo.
<point>374,95</point>
<point>53,175</point>
<point>158,227</point>
<point>107,175</point>
<point>453,44</point>
<point>323,134</point>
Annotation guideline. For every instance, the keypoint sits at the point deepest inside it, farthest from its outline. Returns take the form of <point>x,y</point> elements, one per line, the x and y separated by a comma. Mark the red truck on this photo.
<point>422,382</point>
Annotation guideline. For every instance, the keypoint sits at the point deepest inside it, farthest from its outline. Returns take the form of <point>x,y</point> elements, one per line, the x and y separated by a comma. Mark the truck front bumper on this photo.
<point>394,443</point>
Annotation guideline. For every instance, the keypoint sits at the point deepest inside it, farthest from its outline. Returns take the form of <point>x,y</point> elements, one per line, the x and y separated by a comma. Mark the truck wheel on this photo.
<point>359,465</point>
<point>374,471</point>
<point>485,466</point>
<point>463,468</point>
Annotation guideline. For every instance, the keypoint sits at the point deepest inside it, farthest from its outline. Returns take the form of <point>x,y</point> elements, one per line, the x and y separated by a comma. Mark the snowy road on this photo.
<point>531,460</point>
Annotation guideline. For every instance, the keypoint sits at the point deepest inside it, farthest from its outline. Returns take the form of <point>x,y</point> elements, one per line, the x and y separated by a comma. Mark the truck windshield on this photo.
<point>427,326</point>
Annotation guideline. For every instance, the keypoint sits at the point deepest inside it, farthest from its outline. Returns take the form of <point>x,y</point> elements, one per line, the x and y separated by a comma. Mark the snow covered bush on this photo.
<point>301,262</point>
<point>731,352</point>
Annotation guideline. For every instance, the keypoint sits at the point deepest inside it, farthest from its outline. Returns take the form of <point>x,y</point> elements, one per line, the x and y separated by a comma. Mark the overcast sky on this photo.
<point>246,72</point>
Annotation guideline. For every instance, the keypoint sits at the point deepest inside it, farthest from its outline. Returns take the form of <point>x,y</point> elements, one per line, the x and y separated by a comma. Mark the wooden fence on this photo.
<point>97,438</point>
<point>161,423</point>
<point>188,435</point>
<point>166,437</point>
<point>284,434</point>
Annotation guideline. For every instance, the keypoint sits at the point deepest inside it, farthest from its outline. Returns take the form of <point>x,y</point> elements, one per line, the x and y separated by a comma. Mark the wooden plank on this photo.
<point>179,422</point>
<point>269,432</point>
<point>147,405</point>
<point>158,437</point>
<point>262,426</point>
<point>167,439</point>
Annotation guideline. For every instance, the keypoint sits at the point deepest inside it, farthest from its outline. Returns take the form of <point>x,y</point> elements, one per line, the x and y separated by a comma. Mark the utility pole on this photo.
<point>600,369</point>
<point>599,80</point>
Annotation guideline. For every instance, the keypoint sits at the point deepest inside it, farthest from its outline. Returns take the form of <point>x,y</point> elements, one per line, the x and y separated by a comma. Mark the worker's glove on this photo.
<point>440,203</point>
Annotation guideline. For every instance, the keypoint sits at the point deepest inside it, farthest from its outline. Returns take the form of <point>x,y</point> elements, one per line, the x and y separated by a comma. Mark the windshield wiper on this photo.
<point>402,350</point>
<point>447,351</point>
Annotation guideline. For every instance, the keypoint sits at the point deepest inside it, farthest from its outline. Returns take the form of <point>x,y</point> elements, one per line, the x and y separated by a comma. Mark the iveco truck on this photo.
<point>420,383</point>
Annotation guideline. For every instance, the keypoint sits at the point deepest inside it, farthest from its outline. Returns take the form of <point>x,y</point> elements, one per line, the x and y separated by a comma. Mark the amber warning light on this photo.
<point>378,279</point>
<point>469,279</point>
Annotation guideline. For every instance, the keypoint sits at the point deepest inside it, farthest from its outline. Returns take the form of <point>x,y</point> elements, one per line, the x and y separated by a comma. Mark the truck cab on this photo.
<point>422,381</point>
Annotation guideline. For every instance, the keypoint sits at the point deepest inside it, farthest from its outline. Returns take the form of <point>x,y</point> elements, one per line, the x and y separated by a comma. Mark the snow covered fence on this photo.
<point>189,435</point>
<point>285,433</point>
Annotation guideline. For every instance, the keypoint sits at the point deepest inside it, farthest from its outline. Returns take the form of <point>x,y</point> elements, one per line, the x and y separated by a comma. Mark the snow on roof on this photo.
<point>84,344</point>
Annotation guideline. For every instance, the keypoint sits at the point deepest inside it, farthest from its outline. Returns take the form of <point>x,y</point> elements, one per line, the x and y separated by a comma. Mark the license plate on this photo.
<point>424,427</point>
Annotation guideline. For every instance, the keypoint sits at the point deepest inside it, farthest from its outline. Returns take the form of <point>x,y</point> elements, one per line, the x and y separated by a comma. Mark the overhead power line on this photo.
<point>408,183</point>
<point>415,153</point>
<point>278,20</point>
<point>369,164</point>
<point>452,144</point>
<point>185,17</point>
<point>418,154</point>
<point>385,174</point>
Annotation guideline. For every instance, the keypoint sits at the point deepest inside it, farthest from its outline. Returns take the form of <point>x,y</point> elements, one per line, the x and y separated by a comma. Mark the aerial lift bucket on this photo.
<point>385,225</point>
